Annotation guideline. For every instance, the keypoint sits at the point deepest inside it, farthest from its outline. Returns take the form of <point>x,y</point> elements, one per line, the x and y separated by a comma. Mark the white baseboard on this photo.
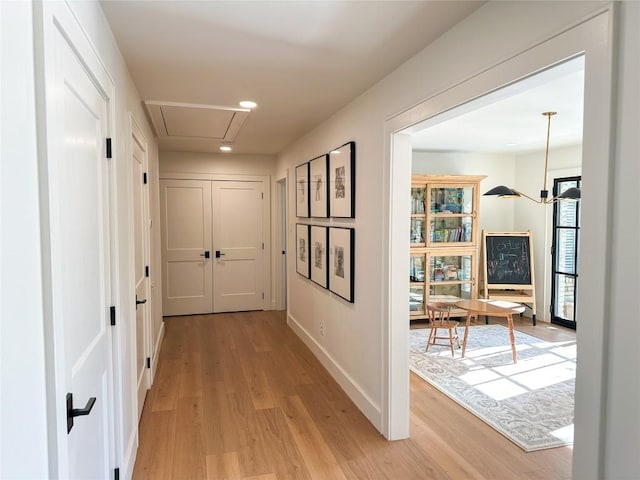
<point>156,352</point>
<point>126,470</point>
<point>364,403</point>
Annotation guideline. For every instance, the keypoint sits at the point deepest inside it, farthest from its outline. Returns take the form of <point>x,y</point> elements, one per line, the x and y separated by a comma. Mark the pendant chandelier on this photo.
<point>503,191</point>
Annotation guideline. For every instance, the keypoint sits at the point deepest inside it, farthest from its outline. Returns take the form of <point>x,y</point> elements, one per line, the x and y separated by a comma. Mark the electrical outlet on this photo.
<point>322,329</point>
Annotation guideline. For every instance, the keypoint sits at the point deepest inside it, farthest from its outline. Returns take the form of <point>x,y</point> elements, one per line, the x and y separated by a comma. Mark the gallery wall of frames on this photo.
<point>325,189</point>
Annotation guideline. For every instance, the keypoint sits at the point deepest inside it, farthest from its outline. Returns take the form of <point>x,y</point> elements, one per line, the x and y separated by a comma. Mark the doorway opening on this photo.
<point>588,39</point>
<point>281,244</point>
<point>499,137</point>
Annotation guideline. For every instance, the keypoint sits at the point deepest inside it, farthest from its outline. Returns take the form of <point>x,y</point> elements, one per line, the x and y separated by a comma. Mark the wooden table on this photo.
<point>478,307</point>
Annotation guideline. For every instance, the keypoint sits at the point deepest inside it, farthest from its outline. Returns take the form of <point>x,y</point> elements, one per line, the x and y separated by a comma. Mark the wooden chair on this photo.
<point>439,320</point>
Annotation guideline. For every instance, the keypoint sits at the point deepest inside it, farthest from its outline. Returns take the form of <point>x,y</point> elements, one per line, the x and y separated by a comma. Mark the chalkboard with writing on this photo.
<point>508,259</point>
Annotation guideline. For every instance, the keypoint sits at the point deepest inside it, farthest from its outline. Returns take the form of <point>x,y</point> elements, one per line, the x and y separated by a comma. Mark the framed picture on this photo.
<point>318,249</point>
<point>319,187</point>
<point>342,181</point>
<point>341,261</point>
<point>302,190</point>
<point>302,249</point>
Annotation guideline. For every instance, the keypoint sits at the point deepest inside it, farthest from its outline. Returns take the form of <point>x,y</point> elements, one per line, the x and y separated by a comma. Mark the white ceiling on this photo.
<point>300,61</point>
<point>510,120</point>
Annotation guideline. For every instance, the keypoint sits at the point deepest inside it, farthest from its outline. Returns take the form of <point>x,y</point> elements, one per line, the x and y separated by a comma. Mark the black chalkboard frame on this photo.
<point>524,283</point>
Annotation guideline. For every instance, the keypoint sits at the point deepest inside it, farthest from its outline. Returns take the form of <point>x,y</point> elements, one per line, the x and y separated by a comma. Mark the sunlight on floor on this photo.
<point>501,389</point>
<point>529,374</point>
<point>564,433</point>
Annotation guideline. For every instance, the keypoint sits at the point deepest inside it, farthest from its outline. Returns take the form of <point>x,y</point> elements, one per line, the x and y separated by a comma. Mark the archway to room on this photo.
<point>586,38</point>
<point>499,138</point>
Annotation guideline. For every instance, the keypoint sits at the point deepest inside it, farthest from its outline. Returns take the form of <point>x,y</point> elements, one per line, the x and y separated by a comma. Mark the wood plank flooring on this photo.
<point>239,396</point>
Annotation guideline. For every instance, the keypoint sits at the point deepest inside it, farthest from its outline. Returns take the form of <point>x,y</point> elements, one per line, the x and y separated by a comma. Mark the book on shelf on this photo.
<point>451,235</point>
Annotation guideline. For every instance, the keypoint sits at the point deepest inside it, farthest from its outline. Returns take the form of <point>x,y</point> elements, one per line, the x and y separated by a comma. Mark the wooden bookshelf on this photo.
<point>444,241</point>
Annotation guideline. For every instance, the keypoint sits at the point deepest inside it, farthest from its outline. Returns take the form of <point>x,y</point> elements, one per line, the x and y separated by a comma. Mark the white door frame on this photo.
<point>51,17</point>
<point>136,135</point>
<point>280,229</point>
<point>266,215</point>
<point>592,37</point>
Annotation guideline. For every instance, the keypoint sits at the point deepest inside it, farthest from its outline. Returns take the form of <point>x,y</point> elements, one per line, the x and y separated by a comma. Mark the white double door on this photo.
<point>212,246</point>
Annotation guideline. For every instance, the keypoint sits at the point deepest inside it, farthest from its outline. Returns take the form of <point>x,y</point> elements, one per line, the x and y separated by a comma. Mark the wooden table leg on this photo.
<point>466,333</point>
<point>512,337</point>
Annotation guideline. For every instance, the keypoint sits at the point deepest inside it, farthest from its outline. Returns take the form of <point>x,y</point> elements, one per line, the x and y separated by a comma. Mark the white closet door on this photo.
<point>186,247</point>
<point>238,281</point>
<point>141,261</point>
<point>78,196</point>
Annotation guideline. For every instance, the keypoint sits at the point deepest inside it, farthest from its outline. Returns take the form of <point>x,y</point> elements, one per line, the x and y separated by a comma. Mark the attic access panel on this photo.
<point>185,120</point>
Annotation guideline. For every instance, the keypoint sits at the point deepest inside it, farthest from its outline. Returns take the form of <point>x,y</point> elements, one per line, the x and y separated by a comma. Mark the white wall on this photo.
<point>23,401</point>
<point>352,347</point>
<point>216,163</point>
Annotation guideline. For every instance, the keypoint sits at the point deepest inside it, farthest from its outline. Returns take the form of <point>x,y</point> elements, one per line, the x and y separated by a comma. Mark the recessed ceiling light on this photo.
<point>248,104</point>
<point>334,152</point>
<point>225,148</point>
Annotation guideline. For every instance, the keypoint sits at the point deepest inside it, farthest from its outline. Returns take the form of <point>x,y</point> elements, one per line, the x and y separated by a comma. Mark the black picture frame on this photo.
<point>319,251</point>
<point>303,264</point>
<point>342,181</point>
<point>342,262</point>
<point>302,190</point>
<point>319,187</point>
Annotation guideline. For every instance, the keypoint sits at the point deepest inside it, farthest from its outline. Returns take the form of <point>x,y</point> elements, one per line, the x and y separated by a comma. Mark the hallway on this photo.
<point>239,396</point>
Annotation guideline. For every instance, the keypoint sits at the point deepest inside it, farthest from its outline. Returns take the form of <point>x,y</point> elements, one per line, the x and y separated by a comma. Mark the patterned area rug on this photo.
<point>529,402</point>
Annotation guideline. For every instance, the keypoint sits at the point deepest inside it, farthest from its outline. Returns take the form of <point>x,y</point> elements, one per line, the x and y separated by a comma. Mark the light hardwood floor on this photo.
<point>239,396</point>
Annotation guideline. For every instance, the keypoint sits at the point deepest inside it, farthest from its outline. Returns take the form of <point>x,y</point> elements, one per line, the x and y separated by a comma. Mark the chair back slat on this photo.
<point>438,314</point>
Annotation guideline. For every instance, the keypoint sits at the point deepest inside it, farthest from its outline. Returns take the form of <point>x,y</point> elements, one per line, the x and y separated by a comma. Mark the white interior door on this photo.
<point>185,207</point>
<point>141,262</point>
<point>238,282</point>
<point>78,183</point>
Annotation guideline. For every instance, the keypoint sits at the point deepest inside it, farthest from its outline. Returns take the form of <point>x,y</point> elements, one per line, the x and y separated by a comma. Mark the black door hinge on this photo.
<point>146,271</point>
<point>108,148</point>
<point>148,362</point>
<point>116,474</point>
<point>112,314</point>
<point>144,178</point>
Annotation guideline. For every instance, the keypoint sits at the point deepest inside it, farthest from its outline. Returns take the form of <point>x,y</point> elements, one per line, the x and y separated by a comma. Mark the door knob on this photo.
<point>77,412</point>
<point>219,254</point>
<point>206,254</point>
<point>140,302</point>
